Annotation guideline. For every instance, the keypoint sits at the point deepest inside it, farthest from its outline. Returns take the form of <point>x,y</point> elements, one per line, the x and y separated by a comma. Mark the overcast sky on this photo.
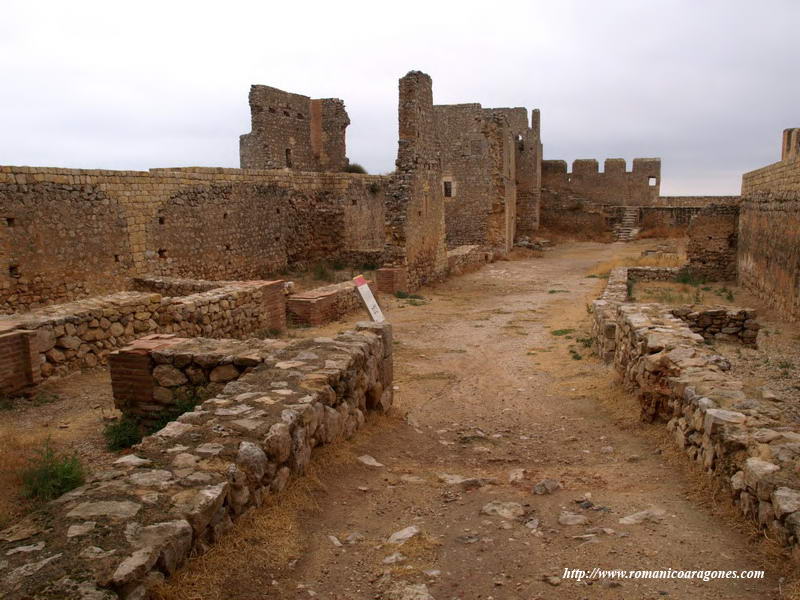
<point>707,85</point>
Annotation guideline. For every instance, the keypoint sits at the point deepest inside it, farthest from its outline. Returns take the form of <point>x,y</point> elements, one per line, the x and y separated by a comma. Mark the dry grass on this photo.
<point>577,234</point>
<point>652,260</point>
<point>16,451</point>
<point>661,231</point>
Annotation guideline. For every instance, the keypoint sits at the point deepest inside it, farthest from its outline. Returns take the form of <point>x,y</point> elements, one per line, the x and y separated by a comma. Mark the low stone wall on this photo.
<point>173,286</point>
<point>721,323</point>
<point>745,439</point>
<point>652,273</point>
<point>81,334</point>
<point>183,486</point>
<point>464,259</point>
<point>324,304</point>
<point>157,373</point>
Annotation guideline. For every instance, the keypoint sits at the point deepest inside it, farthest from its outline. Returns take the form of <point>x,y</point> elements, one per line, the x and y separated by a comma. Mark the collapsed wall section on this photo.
<point>769,233</point>
<point>184,486</point>
<point>67,234</point>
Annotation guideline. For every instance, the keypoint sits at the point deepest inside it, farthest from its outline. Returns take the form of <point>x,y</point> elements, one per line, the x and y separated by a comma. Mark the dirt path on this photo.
<point>484,387</point>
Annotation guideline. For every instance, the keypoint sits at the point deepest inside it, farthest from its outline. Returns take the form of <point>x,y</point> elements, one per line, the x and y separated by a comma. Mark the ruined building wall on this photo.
<point>415,221</point>
<point>293,131</point>
<point>769,232</point>
<point>490,168</point>
<point>477,157</point>
<point>711,250</point>
<point>67,234</point>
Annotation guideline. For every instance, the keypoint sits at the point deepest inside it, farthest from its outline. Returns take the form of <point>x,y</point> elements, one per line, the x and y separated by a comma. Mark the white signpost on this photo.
<point>369,299</point>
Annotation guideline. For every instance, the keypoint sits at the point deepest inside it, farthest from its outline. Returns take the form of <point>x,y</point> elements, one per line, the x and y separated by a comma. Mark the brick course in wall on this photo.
<point>324,304</point>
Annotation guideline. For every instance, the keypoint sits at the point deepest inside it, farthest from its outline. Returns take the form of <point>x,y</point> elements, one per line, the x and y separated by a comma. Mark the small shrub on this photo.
<point>557,292</point>
<point>586,342</point>
<point>322,272</point>
<point>368,266</point>
<point>374,188</point>
<point>122,434</point>
<point>355,168</point>
<point>401,294</point>
<point>49,474</point>
<point>562,331</point>
<point>42,398</point>
<point>575,355</point>
<point>338,264</point>
<point>785,364</point>
<point>6,402</point>
<point>687,277</point>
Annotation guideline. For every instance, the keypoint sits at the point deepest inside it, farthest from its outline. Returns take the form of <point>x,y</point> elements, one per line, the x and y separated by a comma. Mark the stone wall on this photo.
<point>68,234</point>
<point>614,186</point>
<point>415,222</point>
<point>464,259</point>
<point>744,439</point>
<point>721,323</point>
<point>324,304</point>
<point>81,334</point>
<point>769,235</point>
<point>184,486</point>
<point>712,246</point>
<point>490,174</point>
<point>294,132</point>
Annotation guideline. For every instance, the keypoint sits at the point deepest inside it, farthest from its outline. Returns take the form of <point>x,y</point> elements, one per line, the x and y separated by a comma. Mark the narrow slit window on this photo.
<point>289,158</point>
<point>162,253</point>
<point>448,189</point>
<point>651,181</point>
<point>11,221</point>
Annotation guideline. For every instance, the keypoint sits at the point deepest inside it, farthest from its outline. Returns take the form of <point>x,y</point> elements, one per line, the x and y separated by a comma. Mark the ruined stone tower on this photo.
<point>291,131</point>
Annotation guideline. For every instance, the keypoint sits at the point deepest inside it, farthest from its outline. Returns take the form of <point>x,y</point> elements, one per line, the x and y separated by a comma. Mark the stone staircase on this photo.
<point>628,229</point>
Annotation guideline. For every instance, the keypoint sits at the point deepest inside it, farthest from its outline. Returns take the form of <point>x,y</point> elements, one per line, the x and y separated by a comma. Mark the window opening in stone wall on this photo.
<point>651,181</point>
<point>224,215</point>
<point>289,157</point>
<point>227,247</point>
<point>448,189</point>
<point>116,258</point>
<point>160,220</point>
<point>286,113</point>
<point>11,221</point>
<point>13,271</point>
<point>162,253</point>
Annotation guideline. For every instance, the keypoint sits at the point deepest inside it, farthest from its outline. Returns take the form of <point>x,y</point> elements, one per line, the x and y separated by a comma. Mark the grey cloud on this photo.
<point>707,86</point>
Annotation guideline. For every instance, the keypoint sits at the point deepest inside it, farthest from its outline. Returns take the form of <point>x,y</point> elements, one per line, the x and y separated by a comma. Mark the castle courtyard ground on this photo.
<point>495,392</point>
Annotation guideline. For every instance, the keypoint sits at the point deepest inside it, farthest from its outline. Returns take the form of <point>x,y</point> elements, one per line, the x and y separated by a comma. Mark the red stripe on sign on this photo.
<point>360,280</point>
